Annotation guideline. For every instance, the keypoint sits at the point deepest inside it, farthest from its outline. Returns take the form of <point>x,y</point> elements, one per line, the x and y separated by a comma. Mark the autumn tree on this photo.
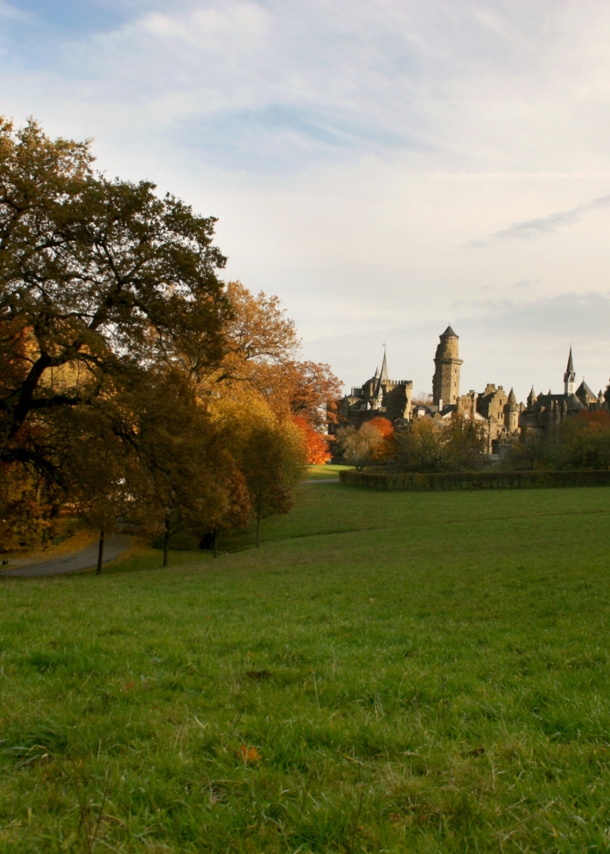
<point>420,446</point>
<point>185,475</point>
<point>359,445</point>
<point>428,446</point>
<point>273,464</point>
<point>96,277</point>
<point>464,444</point>
<point>584,442</point>
<point>530,452</point>
<point>262,354</point>
<point>316,444</point>
<point>269,451</point>
<point>99,467</point>
<point>387,448</point>
<point>26,520</point>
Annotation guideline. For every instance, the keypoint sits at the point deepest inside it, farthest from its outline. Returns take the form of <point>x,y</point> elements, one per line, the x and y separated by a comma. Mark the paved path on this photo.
<point>76,561</point>
<point>321,480</point>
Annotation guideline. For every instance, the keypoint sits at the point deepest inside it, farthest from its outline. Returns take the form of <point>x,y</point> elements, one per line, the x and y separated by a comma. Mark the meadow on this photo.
<point>389,672</point>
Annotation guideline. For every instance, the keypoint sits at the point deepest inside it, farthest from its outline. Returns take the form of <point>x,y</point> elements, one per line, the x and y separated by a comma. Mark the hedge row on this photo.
<point>390,482</point>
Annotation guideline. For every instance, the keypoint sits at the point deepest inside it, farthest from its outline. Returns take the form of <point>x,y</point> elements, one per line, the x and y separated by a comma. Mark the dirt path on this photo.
<point>75,562</point>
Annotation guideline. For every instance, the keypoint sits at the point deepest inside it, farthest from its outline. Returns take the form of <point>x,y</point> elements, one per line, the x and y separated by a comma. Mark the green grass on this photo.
<point>418,672</point>
<point>324,472</point>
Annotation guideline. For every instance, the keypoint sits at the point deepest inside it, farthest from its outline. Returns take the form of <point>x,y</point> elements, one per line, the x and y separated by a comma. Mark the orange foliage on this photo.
<point>385,429</point>
<point>262,354</point>
<point>316,444</point>
<point>383,426</point>
<point>598,420</point>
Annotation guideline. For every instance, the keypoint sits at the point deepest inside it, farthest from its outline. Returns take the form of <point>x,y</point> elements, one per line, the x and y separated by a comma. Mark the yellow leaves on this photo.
<point>248,754</point>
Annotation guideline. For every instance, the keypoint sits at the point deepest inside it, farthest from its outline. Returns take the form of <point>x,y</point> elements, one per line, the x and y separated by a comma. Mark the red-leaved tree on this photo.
<point>316,444</point>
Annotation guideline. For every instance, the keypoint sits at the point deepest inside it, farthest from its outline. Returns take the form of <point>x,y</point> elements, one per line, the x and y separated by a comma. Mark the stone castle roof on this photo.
<point>584,393</point>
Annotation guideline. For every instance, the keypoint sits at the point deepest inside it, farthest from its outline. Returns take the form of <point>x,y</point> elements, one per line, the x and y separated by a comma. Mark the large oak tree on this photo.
<point>97,278</point>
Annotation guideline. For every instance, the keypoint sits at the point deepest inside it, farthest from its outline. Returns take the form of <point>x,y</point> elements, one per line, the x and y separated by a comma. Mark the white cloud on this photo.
<point>351,150</point>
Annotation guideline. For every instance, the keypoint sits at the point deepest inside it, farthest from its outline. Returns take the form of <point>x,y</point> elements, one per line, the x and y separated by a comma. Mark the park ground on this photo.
<point>392,672</point>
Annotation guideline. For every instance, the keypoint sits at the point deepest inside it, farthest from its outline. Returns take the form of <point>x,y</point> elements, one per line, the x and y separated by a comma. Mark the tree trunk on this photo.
<point>215,543</point>
<point>258,521</point>
<point>100,554</point>
<point>166,548</point>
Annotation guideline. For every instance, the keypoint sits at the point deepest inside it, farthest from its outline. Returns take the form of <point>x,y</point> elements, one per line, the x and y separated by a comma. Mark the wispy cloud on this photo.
<point>560,316</point>
<point>532,229</point>
<point>8,11</point>
<point>351,148</point>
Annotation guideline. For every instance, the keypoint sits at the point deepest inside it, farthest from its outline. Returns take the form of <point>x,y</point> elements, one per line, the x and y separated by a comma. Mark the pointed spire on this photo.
<point>512,400</point>
<point>376,374</point>
<point>384,367</point>
<point>449,333</point>
<point>569,378</point>
<point>531,398</point>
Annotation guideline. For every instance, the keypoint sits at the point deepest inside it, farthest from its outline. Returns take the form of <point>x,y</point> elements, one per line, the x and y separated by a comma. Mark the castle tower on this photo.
<point>446,380</point>
<point>569,378</point>
<point>511,413</point>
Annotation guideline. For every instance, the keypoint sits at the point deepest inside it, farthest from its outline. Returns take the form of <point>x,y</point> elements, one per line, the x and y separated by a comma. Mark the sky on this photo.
<point>387,167</point>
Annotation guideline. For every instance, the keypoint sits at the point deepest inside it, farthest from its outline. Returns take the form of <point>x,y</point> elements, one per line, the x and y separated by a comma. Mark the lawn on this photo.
<point>324,472</point>
<point>392,672</point>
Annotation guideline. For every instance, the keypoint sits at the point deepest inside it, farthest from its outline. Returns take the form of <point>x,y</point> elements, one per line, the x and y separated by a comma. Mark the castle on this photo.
<point>503,419</point>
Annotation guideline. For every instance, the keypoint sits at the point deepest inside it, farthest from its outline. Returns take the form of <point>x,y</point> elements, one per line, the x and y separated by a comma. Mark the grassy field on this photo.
<point>325,472</point>
<point>391,672</point>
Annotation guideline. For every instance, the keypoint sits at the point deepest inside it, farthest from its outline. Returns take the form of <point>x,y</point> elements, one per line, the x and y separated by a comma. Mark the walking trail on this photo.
<point>87,558</point>
<point>75,562</point>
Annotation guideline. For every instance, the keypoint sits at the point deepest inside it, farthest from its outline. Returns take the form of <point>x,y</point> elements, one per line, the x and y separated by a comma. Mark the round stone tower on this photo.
<point>446,380</point>
<point>511,413</point>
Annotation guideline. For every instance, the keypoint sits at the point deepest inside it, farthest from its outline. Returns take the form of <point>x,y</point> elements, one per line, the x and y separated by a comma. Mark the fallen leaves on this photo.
<point>248,754</point>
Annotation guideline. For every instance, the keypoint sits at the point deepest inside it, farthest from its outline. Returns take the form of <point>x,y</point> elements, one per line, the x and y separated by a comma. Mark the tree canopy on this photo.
<point>133,381</point>
<point>96,277</point>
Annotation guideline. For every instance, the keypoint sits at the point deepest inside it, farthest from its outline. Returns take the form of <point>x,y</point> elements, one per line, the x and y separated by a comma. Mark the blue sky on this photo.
<point>385,167</point>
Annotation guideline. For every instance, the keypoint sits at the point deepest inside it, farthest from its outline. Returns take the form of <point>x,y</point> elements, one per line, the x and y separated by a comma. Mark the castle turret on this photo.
<point>569,378</point>
<point>446,380</point>
<point>511,413</point>
<point>531,398</point>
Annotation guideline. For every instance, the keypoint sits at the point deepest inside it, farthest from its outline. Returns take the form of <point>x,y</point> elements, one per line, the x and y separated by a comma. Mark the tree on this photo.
<point>464,444</point>
<point>532,451</point>
<point>316,445</point>
<point>96,277</point>
<point>273,464</point>
<point>420,446</point>
<point>427,446</point>
<point>98,469</point>
<point>269,451</point>
<point>262,349</point>
<point>387,448</point>
<point>185,476</point>
<point>25,509</point>
<point>584,442</point>
<point>359,446</point>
